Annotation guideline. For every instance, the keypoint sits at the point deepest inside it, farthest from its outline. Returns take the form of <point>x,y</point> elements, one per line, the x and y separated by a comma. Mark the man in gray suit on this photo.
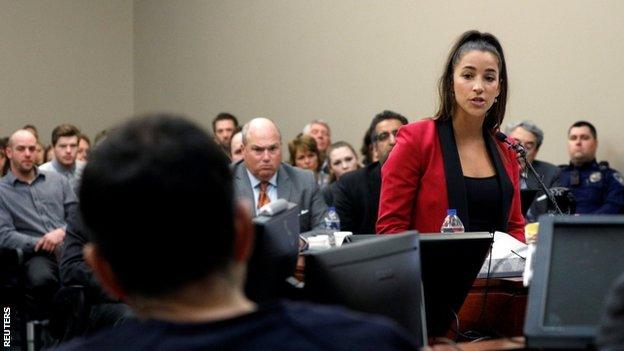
<point>531,137</point>
<point>262,177</point>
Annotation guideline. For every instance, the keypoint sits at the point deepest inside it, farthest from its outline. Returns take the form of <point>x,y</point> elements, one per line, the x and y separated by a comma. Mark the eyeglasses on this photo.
<point>383,136</point>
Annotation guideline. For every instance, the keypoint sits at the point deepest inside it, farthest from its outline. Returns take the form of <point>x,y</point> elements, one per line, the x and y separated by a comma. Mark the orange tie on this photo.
<point>263,197</point>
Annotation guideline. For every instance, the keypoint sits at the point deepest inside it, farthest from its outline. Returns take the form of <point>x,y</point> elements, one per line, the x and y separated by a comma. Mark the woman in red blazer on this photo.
<point>452,160</point>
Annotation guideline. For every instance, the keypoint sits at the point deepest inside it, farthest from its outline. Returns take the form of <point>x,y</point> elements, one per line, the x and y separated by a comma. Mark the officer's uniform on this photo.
<point>596,187</point>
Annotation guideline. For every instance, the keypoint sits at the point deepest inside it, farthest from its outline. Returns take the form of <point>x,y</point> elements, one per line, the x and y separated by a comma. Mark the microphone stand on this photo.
<point>551,197</point>
<point>520,150</point>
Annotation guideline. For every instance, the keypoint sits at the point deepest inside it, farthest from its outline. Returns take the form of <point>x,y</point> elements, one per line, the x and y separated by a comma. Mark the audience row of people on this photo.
<point>38,208</point>
<point>603,192</point>
<point>596,187</point>
<point>49,153</point>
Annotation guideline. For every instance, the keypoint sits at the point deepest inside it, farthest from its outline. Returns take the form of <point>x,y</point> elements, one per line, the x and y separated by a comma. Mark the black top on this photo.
<point>456,183</point>
<point>356,198</point>
<point>484,203</point>
<point>276,326</point>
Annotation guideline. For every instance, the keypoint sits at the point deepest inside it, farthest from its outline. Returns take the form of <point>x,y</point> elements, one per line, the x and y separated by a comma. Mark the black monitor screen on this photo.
<point>274,257</point>
<point>379,276</point>
<point>576,261</point>
<point>450,265</point>
<point>583,264</point>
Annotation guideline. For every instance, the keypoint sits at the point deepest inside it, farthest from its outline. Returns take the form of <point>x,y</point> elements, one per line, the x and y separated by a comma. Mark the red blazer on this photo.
<point>422,178</point>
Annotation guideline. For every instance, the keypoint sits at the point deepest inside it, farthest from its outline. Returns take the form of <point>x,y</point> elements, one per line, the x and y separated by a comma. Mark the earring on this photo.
<point>495,100</point>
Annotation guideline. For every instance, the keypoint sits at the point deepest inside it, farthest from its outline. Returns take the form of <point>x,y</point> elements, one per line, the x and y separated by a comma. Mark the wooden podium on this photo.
<point>499,313</point>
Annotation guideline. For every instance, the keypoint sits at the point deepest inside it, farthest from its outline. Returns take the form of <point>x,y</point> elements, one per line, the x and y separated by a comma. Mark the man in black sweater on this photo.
<point>356,194</point>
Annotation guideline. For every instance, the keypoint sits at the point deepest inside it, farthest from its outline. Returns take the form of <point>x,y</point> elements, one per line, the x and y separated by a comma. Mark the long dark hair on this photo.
<point>470,41</point>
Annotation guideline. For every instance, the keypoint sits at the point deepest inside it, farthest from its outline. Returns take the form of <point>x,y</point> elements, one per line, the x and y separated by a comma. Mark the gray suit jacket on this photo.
<point>293,184</point>
<point>550,177</point>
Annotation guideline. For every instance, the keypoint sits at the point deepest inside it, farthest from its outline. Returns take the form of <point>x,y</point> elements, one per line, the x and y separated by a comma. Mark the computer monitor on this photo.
<point>379,276</point>
<point>576,260</point>
<point>274,256</point>
<point>449,265</point>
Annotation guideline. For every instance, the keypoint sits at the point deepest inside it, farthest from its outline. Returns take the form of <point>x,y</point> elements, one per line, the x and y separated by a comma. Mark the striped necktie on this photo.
<point>263,197</point>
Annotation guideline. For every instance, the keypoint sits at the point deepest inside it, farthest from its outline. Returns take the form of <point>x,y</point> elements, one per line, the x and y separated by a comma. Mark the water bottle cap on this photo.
<point>332,208</point>
<point>451,212</point>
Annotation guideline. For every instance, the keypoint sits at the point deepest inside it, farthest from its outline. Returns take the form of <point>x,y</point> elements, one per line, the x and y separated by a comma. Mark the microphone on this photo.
<point>522,153</point>
<point>512,145</point>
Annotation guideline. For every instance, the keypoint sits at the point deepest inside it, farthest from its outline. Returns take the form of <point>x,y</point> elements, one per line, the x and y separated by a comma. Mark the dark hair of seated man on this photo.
<point>157,199</point>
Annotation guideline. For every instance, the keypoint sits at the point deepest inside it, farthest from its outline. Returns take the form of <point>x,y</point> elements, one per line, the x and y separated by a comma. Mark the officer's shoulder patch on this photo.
<point>595,177</point>
<point>617,176</point>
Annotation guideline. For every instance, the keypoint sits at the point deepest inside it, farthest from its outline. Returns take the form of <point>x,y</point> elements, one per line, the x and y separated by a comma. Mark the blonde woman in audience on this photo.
<point>305,154</point>
<point>342,159</point>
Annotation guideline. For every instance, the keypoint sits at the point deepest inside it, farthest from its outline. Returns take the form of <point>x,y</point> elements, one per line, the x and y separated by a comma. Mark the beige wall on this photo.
<point>94,62</point>
<point>65,61</point>
<point>345,60</point>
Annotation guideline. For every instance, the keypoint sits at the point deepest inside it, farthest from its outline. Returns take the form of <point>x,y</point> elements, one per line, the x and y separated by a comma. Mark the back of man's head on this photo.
<point>157,197</point>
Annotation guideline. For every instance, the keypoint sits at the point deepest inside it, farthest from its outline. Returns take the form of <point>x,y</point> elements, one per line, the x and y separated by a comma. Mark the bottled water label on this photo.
<point>332,225</point>
<point>452,223</point>
<point>451,230</point>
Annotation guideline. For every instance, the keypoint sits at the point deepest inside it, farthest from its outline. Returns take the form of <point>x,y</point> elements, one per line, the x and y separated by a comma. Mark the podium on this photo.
<point>499,313</point>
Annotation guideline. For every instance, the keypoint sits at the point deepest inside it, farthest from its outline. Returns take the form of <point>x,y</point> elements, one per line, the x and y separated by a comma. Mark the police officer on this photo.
<point>596,187</point>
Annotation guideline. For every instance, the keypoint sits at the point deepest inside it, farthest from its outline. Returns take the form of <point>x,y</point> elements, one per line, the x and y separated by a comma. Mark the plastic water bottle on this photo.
<point>332,224</point>
<point>452,223</point>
